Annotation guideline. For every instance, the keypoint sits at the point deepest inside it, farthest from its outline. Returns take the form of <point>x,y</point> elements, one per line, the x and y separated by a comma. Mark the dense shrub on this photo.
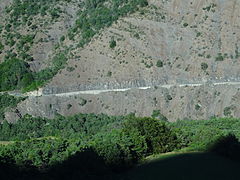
<point>38,153</point>
<point>84,164</point>
<point>119,149</point>
<point>204,137</point>
<point>15,74</point>
<point>22,11</point>
<point>204,66</point>
<point>100,14</point>
<point>1,46</point>
<point>159,64</point>
<point>40,78</point>
<point>220,57</point>
<point>113,44</point>
<point>120,141</point>
<point>199,134</point>
<point>66,127</point>
<point>158,115</point>
<point>159,137</point>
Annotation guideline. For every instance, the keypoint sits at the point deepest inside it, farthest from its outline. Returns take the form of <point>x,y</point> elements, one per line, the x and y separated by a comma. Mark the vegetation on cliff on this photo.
<point>15,74</point>
<point>93,16</point>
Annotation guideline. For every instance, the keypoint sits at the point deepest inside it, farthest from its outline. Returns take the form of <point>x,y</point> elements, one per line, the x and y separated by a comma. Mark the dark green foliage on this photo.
<point>1,46</point>
<point>220,57</point>
<point>44,143</point>
<point>136,35</point>
<point>159,64</point>
<point>21,44</point>
<point>120,149</point>
<point>36,153</point>
<point>227,111</point>
<point>24,43</point>
<point>113,44</point>
<point>69,106</point>
<point>82,102</point>
<point>15,74</point>
<point>66,127</point>
<point>41,77</point>
<point>204,66</point>
<point>203,138</point>
<point>197,107</point>
<point>109,74</point>
<point>70,69</point>
<point>237,53</point>
<point>120,141</point>
<point>33,86</point>
<point>8,27</point>
<point>211,6</point>
<point>22,11</point>
<point>198,34</point>
<point>114,142</point>
<point>185,24</point>
<point>159,137</point>
<point>158,115</point>
<point>168,97</point>
<point>59,62</point>
<point>198,135</point>
<point>84,164</point>
<point>1,28</point>
<point>62,38</point>
<point>100,14</point>
<point>55,13</point>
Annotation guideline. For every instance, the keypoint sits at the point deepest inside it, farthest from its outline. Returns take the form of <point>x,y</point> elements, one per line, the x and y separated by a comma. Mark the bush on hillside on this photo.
<point>15,74</point>
<point>159,137</point>
<point>118,149</point>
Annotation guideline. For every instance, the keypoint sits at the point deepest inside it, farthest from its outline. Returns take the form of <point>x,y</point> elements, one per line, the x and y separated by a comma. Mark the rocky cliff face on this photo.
<point>168,42</point>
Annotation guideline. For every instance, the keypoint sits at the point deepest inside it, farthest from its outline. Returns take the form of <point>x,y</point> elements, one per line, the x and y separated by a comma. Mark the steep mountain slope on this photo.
<point>167,42</point>
<point>31,29</point>
<point>173,42</point>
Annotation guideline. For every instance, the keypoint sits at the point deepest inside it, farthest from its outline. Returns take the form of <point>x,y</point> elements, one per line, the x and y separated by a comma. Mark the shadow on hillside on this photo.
<point>83,165</point>
<point>195,166</point>
<point>221,162</point>
<point>217,164</point>
<point>227,146</point>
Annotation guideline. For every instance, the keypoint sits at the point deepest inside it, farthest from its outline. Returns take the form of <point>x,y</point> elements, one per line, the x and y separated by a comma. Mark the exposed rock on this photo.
<point>200,102</point>
<point>168,42</point>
